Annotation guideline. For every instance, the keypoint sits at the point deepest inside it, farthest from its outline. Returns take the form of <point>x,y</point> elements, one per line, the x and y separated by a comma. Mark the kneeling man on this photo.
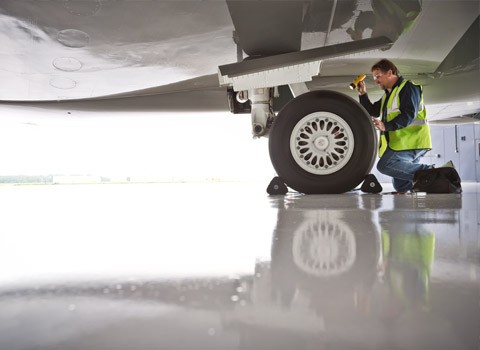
<point>402,120</point>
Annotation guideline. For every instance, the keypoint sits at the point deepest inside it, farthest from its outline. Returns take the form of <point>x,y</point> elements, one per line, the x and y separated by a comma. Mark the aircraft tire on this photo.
<point>319,252</point>
<point>322,142</point>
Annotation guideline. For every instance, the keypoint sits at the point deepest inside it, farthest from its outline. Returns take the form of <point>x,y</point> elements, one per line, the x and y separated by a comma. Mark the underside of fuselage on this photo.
<point>57,50</point>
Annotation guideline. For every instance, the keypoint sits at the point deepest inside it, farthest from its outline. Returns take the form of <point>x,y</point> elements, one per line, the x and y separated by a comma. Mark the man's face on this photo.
<point>380,78</point>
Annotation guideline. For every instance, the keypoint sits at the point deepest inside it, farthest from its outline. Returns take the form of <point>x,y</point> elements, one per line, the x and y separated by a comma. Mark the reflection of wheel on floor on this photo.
<point>324,248</point>
<point>323,253</point>
<point>322,142</point>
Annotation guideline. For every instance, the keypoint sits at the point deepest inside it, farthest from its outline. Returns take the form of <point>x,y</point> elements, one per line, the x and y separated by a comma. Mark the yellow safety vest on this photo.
<point>414,136</point>
<point>409,250</point>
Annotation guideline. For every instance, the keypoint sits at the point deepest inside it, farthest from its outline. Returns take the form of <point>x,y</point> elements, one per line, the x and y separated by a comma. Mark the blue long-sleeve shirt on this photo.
<point>410,97</point>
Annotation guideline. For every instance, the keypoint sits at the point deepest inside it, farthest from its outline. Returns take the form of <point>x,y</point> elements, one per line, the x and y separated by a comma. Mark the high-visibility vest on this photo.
<point>414,136</point>
<point>407,250</point>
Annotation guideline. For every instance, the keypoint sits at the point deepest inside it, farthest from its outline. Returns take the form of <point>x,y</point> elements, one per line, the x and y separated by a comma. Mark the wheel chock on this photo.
<point>371,185</point>
<point>277,186</point>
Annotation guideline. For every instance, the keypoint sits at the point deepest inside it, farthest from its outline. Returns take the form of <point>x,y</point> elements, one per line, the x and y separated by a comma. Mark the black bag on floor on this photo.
<point>437,180</point>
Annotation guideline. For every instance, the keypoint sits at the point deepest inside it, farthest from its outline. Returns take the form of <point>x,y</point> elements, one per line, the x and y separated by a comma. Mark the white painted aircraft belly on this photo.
<point>65,50</point>
<point>71,49</point>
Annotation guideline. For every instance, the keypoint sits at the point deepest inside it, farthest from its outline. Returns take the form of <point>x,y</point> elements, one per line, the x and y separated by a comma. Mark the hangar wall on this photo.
<point>458,143</point>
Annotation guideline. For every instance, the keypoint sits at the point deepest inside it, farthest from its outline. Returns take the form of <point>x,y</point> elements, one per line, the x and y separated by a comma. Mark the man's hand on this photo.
<point>378,124</point>
<point>361,88</point>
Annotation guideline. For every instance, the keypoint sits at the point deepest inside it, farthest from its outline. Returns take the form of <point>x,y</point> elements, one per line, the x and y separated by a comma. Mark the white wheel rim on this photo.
<point>323,247</point>
<point>322,143</point>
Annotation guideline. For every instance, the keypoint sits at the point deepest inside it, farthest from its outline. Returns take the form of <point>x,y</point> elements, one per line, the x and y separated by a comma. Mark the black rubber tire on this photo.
<point>365,143</point>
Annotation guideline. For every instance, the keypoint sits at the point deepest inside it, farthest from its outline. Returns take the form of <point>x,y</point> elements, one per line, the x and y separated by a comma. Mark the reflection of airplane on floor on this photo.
<point>102,55</point>
<point>333,280</point>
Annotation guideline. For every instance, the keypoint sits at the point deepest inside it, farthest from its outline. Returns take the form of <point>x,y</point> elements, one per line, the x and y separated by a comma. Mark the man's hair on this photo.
<point>385,65</point>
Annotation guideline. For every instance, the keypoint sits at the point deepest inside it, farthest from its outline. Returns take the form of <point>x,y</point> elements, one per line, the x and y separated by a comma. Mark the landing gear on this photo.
<point>322,142</point>
<point>259,103</point>
<point>262,110</point>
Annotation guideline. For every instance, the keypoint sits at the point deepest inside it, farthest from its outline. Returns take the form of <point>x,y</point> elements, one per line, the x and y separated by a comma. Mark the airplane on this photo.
<point>300,57</point>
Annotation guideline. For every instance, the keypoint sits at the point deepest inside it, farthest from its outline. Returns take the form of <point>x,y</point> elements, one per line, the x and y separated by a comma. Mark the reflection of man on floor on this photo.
<point>408,253</point>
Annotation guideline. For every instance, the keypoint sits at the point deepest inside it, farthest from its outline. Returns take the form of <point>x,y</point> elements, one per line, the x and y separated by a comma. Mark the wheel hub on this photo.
<point>324,246</point>
<point>322,143</point>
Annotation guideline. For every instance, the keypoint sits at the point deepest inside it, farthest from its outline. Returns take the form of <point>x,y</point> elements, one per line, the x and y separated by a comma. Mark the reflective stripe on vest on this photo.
<point>415,136</point>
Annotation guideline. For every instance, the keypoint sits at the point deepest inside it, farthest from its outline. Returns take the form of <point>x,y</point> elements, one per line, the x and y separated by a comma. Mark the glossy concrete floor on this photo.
<point>225,266</point>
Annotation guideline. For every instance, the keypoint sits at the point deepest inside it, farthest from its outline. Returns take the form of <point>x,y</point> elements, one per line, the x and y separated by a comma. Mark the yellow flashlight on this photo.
<point>356,81</point>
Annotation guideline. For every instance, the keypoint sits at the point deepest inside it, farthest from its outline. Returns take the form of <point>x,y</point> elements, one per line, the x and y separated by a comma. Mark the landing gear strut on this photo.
<point>262,110</point>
